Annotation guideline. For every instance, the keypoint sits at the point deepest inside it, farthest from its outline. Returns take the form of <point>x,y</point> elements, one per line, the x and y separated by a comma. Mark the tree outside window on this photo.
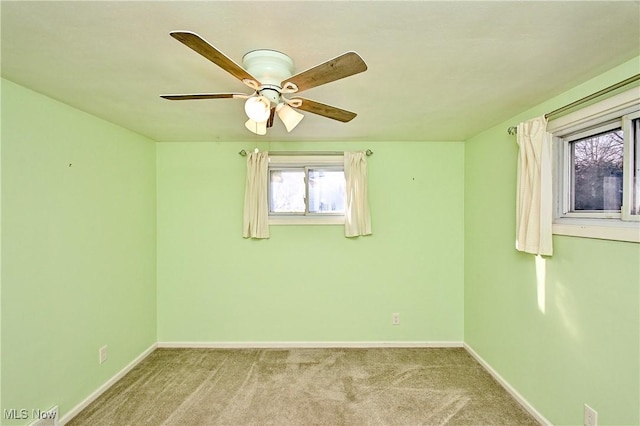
<point>597,171</point>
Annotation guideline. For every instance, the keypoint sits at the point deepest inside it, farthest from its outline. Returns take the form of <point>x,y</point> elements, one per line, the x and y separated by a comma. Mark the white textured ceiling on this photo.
<point>437,70</point>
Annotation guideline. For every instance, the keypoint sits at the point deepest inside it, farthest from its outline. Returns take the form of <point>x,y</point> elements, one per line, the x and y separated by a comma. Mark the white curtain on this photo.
<point>357,220</point>
<point>534,186</point>
<point>256,215</point>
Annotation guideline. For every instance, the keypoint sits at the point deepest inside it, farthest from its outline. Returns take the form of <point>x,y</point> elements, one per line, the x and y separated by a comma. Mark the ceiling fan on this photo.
<point>270,74</point>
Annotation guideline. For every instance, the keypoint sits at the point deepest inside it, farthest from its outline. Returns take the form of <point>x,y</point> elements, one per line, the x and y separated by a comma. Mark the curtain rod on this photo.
<point>368,152</point>
<point>514,129</point>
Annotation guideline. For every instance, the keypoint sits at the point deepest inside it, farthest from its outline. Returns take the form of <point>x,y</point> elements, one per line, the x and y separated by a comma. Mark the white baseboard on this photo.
<point>514,393</point>
<point>309,345</point>
<point>88,400</point>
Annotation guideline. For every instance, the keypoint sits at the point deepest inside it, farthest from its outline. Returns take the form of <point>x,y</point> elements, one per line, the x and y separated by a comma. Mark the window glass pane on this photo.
<point>597,172</point>
<point>287,191</point>
<point>326,191</point>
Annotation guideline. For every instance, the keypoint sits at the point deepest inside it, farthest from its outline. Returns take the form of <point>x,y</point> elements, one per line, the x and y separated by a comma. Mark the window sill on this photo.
<point>603,229</point>
<point>306,220</point>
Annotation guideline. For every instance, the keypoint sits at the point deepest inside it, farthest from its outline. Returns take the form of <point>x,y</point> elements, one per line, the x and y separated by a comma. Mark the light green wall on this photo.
<point>310,283</point>
<point>580,343</point>
<point>78,250</point>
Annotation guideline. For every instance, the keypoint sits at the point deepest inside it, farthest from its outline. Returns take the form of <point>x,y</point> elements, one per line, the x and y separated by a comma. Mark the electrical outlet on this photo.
<point>102,354</point>
<point>590,416</point>
<point>395,319</point>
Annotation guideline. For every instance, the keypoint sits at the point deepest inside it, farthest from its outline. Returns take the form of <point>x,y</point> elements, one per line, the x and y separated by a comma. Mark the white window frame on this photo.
<point>616,111</point>
<point>327,162</point>
<point>631,212</point>
<point>564,200</point>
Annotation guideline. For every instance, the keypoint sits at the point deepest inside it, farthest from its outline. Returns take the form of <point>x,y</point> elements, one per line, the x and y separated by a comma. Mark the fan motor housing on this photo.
<point>270,92</point>
<point>270,67</point>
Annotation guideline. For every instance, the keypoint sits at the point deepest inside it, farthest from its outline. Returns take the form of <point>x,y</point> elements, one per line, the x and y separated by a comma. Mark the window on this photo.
<point>596,170</point>
<point>305,189</point>
<point>631,199</point>
<point>595,173</point>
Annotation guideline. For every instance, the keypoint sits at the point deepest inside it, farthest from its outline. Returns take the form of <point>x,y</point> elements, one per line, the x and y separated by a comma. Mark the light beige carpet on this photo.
<point>306,387</point>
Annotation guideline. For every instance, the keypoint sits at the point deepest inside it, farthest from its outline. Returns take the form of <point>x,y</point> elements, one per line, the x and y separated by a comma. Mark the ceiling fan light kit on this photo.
<point>257,127</point>
<point>270,74</point>
<point>289,117</point>
<point>258,108</point>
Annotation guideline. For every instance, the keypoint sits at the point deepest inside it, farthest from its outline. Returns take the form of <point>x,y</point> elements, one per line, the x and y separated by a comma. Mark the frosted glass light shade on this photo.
<point>258,108</point>
<point>289,116</point>
<point>257,127</point>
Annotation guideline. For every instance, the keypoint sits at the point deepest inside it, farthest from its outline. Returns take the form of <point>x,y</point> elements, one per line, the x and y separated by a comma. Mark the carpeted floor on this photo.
<point>306,387</point>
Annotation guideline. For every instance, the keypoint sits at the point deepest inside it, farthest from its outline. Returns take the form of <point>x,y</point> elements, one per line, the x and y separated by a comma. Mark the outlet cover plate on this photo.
<point>395,319</point>
<point>590,416</point>
<point>102,354</point>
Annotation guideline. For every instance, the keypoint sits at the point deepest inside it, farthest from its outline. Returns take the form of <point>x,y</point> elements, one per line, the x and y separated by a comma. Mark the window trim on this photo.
<point>306,162</point>
<point>616,226</point>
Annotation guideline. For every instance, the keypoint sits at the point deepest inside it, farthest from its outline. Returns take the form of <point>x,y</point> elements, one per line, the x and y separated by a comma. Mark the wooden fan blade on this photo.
<point>328,111</point>
<point>345,65</point>
<point>201,46</point>
<point>202,96</point>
